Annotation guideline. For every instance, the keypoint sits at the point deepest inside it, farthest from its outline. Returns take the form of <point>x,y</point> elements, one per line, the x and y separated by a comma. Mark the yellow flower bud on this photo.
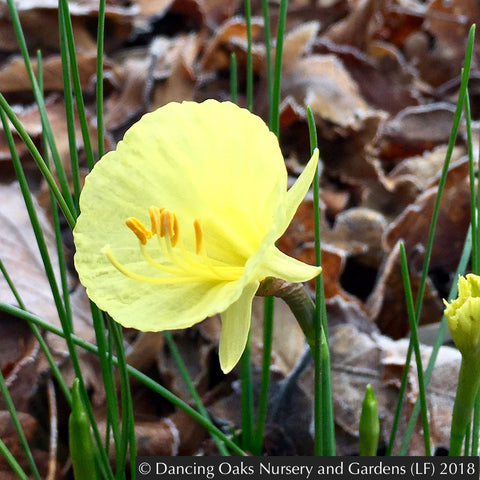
<point>463,315</point>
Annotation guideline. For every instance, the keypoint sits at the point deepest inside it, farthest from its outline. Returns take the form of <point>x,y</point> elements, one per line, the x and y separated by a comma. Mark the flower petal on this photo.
<point>299,189</point>
<point>213,159</point>
<point>148,307</point>
<point>235,327</point>
<point>279,265</point>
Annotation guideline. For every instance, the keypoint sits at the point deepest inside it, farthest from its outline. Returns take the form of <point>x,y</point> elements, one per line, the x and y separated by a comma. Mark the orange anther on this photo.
<point>176,231</point>
<point>155,219</point>
<point>198,235</point>
<point>138,228</point>
<point>169,226</point>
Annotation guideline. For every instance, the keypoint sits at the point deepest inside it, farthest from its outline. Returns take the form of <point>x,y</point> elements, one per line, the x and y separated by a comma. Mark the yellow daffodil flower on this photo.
<point>180,221</point>
<point>463,315</point>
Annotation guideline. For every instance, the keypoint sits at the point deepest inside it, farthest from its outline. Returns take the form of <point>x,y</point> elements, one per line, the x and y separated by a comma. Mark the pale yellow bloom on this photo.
<point>463,315</point>
<point>180,221</point>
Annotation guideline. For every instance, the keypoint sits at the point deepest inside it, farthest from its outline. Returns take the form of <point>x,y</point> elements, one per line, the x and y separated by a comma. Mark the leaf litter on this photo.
<point>381,79</point>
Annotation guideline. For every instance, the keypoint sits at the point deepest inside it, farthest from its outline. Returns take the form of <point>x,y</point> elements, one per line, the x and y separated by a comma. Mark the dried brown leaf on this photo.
<point>14,77</point>
<point>415,130</point>
<point>22,260</point>
<point>386,304</point>
<point>323,83</point>
<point>232,37</point>
<point>414,223</point>
<point>357,28</point>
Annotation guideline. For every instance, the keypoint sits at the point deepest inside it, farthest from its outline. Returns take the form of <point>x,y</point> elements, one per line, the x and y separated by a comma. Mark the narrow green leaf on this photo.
<point>146,380</point>
<point>416,346</point>
<point>433,224</point>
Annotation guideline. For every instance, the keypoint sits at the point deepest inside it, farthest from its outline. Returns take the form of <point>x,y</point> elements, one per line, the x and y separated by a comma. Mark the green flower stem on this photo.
<point>468,382</point>
<point>320,320</point>
<point>128,421</point>
<point>303,308</point>
<point>475,425</point>
<point>369,427</point>
<point>298,300</point>
<point>233,78</point>
<point>277,75</point>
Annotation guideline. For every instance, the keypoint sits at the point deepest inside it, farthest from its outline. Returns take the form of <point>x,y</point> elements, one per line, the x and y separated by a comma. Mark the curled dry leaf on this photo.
<point>14,76</point>
<point>322,82</point>
<point>386,304</point>
<point>127,103</point>
<point>423,169</point>
<point>298,43</point>
<point>415,130</point>
<point>155,8</point>
<point>232,37</point>
<point>33,13</point>
<point>358,27</point>
<point>172,435</point>
<point>414,223</point>
<point>181,82</point>
<point>9,436</point>
<point>448,23</point>
<point>19,361</point>
<point>20,255</point>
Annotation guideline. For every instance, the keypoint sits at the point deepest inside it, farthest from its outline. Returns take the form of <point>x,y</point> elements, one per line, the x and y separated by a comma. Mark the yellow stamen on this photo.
<point>144,278</point>
<point>176,231</point>
<point>155,219</point>
<point>198,236</point>
<point>138,228</point>
<point>169,226</point>
<point>176,265</point>
<point>166,223</point>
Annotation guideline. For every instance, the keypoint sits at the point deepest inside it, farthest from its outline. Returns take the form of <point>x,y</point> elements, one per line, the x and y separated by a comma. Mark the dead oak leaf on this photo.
<point>323,83</point>
<point>231,37</point>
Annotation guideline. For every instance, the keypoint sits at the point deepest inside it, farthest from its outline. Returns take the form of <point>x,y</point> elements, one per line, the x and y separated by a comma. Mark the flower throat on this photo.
<point>178,264</point>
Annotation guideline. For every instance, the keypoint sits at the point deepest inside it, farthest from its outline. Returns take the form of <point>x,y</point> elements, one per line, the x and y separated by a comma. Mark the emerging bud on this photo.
<point>463,315</point>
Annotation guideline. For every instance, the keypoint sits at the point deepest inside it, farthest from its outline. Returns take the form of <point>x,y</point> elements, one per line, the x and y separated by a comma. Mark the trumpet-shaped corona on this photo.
<point>180,221</point>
